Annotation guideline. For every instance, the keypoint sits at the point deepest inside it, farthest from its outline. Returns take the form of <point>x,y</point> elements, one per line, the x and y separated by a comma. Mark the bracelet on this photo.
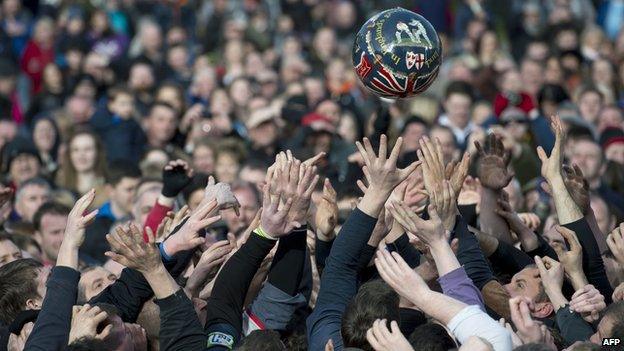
<point>163,253</point>
<point>260,232</point>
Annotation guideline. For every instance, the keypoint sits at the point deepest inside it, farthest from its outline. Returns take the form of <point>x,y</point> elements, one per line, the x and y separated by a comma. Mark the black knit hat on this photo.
<point>18,146</point>
<point>610,136</point>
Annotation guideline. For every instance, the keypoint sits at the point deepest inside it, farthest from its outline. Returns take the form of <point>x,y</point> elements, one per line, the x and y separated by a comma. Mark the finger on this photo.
<point>372,340</point>
<point>369,149</point>
<point>151,237</point>
<point>205,223</point>
<point>541,154</point>
<point>570,237</point>
<point>479,148</point>
<point>204,210</point>
<point>361,185</point>
<point>540,265</point>
<point>314,160</point>
<point>104,334</point>
<point>122,260</point>
<point>383,147</point>
<point>396,150</point>
<point>88,219</point>
<point>363,153</point>
<point>525,312</point>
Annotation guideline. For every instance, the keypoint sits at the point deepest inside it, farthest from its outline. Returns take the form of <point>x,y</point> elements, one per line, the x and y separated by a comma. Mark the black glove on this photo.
<point>174,181</point>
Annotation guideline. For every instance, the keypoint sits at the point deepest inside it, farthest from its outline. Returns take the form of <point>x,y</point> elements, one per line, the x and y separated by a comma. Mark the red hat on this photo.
<point>318,122</point>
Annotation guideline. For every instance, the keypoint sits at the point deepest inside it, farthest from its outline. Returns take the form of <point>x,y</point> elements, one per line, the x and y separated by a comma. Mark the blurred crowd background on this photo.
<point>87,85</point>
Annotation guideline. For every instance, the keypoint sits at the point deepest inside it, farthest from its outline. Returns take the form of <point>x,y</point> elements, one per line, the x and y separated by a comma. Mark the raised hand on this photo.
<point>577,186</point>
<point>383,339</point>
<point>380,170</point>
<point>529,330</point>
<point>445,203</point>
<point>432,164</point>
<point>530,219</point>
<point>300,182</point>
<point>469,194</point>
<point>315,160</point>
<point>129,249</point>
<point>135,336</point>
<point>78,220</point>
<point>571,260</point>
<point>515,339</point>
<point>456,172</point>
<point>492,163</point>
<point>209,264</point>
<point>176,175</point>
<point>507,212</point>
<point>589,302</point>
<point>429,231</point>
<point>85,322</point>
<point>398,274</point>
<point>551,273</point>
<point>326,216</point>
<point>222,193</point>
<point>615,241</point>
<point>273,222</point>
<point>551,165</point>
<point>188,236</point>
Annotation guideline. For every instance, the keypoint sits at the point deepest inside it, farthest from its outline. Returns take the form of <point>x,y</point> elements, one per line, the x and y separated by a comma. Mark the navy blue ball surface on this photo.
<point>397,53</point>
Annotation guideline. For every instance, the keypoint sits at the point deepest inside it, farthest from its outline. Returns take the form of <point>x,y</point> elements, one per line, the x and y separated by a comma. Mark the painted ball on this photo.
<point>397,54</point>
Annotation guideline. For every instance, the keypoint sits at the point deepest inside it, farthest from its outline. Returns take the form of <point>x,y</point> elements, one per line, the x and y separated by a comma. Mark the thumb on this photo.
<point>541,154</point>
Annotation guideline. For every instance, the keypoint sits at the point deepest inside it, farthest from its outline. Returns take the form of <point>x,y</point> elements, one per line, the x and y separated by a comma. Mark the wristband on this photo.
<point>163,253</point>
<point>260,232</point>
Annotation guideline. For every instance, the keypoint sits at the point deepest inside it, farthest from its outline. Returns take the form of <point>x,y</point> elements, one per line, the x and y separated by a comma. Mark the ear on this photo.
<point>543,310</point>
<point>32,304</point>
<point>109,190</point>
<point>38,237</point>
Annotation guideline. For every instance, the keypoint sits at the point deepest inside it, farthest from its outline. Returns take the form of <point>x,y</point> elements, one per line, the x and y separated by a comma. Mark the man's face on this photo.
<point>458,107</point>
<point>144,205</point>
<point>30,199</point>
<point>590,104</point>
<point>263,135</point>
<point>331,110</point>
<point>604,330</point>
<point>412,134</point>
<point>203,159</point>
<point>554,239</point>
<point>95,281</point>
<point>602,214</point>
<point>615,152</point>
<point>24,167</point>
<point>447,141</point>
<point>248,209</point>
<point>588,156</point>
<point>123,105</point>
<point>525,283</point>
<point>50,235</point>
<point>124,192</point>
<point>42,279</point>
<point>162,124</point>
<point>8,252</point>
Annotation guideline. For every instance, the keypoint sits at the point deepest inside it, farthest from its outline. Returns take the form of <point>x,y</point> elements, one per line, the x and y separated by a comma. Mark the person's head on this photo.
<point>447,141</point>
<point>22,160</point>
<point>262,340</point>
<point>122,180</point>
<point>178,57</point>
<point>240,91</point>
<point>194,192</point>
<point>43,33</point>
<point>172,94</point>
<point>374,300</point>
<point>30,196</point>
<point>253,172</point>
<point>204,156</point>
<point>590,101</point>
<point>84,154</point>
<point>161,123</point>
<point>46,136</point>
<point>262,127</point>
<point>22,287</point>
<point>52,78</point>
<point>150,35</point>
<point>146,195</point>
<point>230,156</point>
<point>610,116</point>
<point>611,325</point>
<point>458,102</point>
<point>552,236</point>
<point>587,154</point>
<point>605,219</point>
<point>50,221</point>
<point>612,141</point>
<point>549,97</point>
<point>415,127</point>
<point>431,337</point>
<point>9,252</point>
<point>93,280</point>
<point>141,77</point>
<point>527,283</point>
<point>249,199</point>
<point>330,109</point>
<point>28,245</point>
<point>121,102</point>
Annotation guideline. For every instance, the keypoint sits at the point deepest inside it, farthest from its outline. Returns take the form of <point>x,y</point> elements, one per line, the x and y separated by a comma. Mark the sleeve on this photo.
<point>322,252</point>
<point>408,252</point>
<point>272,309</point>
<point>472,321</point>
<point>469,213</point>
<point>225,305</point>
<point>470,256</point>
<point>287,267</point>
<point>593,266</point>
<point>51,330</point>
<point>572,326</point>
<point>508,259</point>
<point>543,249</point>
<point>155,216</point>
<point>339,281</point>
<point>128,294</point>
<point>457,285</point>
<point>180,328</point>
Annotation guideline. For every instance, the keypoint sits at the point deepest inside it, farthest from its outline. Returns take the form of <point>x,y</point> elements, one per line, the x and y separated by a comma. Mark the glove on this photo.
<point>174,180</point>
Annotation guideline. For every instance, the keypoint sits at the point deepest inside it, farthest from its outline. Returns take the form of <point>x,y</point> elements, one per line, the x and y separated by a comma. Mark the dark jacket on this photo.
<point>123,139</point>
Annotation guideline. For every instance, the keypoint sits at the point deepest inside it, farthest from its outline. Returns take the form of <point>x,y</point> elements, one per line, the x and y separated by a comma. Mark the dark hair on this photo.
<point>590,89</point>
<point>115,91</point>
<point>52,208</point>
<point>615,312</point>
<point>374,300</point>
<point>18,284</point>
<point>446,129</point>
<point>198,182</point>
<point>165,105</point>
<point>459,87</point>
<point>414,119</point>
<point>552,92</point>
<point>87,344</point>
<point>431,337</point>
<point>120,169</point>
<point>23,241</point>
<point>262,340</point>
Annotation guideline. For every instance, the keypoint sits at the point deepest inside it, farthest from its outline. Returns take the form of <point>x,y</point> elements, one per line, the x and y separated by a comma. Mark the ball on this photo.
<point>397,53</point>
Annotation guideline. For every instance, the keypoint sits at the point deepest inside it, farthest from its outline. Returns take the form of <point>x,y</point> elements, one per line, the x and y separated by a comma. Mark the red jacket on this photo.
<point>34,59</point>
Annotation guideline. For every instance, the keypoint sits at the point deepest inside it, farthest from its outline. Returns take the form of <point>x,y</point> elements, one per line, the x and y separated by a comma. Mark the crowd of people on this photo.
<point>210,175</point>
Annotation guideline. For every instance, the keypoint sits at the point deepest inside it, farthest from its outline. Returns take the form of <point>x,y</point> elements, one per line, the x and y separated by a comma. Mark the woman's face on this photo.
<point>52,76</point>
<point>170,95</point>
<point>44,135</point>
<point>83,153</point>
<point>227,168</point>
<point>203,159</point>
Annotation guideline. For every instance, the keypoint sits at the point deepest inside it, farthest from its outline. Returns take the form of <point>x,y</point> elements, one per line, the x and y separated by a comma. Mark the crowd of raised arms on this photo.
<point>211,175</point>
